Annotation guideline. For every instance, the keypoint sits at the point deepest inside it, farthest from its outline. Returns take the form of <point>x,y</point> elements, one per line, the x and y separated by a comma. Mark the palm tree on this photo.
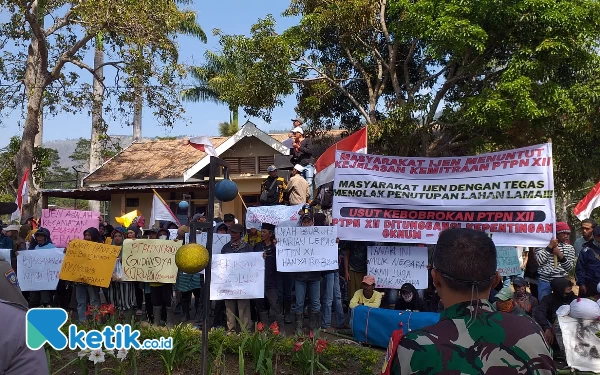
<point>211,79</point>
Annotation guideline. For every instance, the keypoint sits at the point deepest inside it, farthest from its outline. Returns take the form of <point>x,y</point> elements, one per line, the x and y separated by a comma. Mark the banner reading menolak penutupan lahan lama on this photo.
<point>508,194</point>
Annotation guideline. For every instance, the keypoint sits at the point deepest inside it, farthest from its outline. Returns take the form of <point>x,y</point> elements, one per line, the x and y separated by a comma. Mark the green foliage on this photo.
<point>227,129</point>
<point>435,78</point>
<point>184,349</point>
<point>45,160</point>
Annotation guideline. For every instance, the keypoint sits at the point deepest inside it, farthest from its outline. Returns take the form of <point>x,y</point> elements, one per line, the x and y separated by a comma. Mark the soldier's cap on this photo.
<point>236,228</point>
<point>505,294</point>
<point>271,168</point>
<point>597,230</point>
<point>519,281</point>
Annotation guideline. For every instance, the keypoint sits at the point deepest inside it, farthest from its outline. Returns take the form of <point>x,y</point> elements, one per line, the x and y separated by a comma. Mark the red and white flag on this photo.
<point>204,144</point>
<point>161,211</point>
<point>325,165</point>
<point>584,208</point>
<point>22,197</point>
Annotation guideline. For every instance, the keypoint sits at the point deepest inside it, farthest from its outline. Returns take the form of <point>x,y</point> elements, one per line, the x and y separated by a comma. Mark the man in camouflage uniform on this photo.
<point>471,337</point>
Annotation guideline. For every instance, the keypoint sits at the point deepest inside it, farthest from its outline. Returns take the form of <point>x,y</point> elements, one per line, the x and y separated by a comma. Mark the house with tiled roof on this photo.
<point>179,171</point>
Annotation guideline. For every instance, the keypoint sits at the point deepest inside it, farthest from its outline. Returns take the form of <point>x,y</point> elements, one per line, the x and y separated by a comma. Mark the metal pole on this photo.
<point>207,272</point>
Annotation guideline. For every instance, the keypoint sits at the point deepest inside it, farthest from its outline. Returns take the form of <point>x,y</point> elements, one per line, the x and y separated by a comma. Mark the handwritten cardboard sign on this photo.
<point>39,269</point>
<point>282,216</point>
<point>394,266</point>
<point>66,225</point>
<point>89,262</point>
<point>150,260</point>
<point>237,276</point>
<point>508,260</point>
<point>306,249</point>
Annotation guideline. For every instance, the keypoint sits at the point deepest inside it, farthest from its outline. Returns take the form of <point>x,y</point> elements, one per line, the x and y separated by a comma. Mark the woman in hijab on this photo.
<point>121,293</point>
<point>142,290</point>
<point>409,299</point>
<point>84,291</point>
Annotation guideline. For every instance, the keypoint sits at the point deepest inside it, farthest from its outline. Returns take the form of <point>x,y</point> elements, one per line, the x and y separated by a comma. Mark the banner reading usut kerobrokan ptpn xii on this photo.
<point>509,194</point>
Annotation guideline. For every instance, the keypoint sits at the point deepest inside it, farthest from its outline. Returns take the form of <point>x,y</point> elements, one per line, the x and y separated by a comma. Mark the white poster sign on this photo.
<point>306,249</point>
<point>509,194</point>
<point>172,234</point>
<point>237,276</point>
<point>39,269</point>
<point>394,266</point>
<point>283,216</point>
<point>6,254</point>
<point>581,343</point>
<point>219,240</point>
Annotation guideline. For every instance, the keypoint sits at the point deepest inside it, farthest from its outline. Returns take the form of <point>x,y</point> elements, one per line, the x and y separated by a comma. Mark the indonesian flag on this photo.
<point>584,208</point>
<point>325,165</point>
<point>204,144</point>
<point>22,197</point>
<point>161,211</point>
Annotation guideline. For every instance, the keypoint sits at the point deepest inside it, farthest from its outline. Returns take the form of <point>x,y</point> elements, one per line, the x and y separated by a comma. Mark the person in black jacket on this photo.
<point>545,313</point>
<point>410,299</point>
<point>272,189</point>
<point>302,153</point>
<point>324,199</point>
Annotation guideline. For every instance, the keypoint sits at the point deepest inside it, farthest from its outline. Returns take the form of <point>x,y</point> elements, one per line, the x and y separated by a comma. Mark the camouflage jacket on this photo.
<point>494,343</point>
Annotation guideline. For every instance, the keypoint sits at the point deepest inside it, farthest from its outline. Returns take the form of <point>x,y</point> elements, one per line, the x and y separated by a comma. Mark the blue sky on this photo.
<point>232,17</point>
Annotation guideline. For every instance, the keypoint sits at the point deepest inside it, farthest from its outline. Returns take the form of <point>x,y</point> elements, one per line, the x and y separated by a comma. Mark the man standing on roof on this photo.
<point>302,154</point>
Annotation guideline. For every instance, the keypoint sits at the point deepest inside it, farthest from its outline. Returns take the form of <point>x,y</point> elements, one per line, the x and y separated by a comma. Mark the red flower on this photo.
<point>107,309</point>
<point>298,346</point>
<point>275,328</point>
<point>97,317</point>
<point>260,326</point>
<point>88,312</point>
<point>320,346</point>
<point>311,334</point>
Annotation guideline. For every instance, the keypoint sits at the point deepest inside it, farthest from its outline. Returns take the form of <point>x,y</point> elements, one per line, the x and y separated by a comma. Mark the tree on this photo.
<point>37,67</point>
<point>436,78</point>
<point>227,129</point>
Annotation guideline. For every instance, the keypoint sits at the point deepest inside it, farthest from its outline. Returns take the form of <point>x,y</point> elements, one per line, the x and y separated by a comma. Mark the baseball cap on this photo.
<point>299,119</point>
<point>271,168</point>
<point>597,230</point>
<point>298,129</point>
<point>519,281</point>
<point>369,280</point>
<point>505,294</point>
<point>237,228</point>
<point>228,217</point>
<point>299,168</point>
<point>12,227</point>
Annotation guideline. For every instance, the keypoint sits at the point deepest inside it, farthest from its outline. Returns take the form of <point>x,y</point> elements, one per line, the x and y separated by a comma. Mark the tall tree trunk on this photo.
<point>98,125</point>
<point>236,112</point>
<point>137,114</point>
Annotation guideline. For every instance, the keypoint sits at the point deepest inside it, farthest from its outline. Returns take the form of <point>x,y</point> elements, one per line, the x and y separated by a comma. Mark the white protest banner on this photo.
<point>237,276</point>
<point>508,260</point>
<point>66,225</point>
<point>509,194</point>
<point>306,249</point>
<point>581,343</point>
<point>172,234</point>
<point>282,216</point>
<point>39,269</point>
<point>394,266</point>
<point>6,254</point>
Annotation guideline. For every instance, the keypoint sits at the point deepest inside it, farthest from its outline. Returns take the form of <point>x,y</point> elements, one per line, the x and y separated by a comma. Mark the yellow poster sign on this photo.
<point>89,262</point>
<point>150,260</point>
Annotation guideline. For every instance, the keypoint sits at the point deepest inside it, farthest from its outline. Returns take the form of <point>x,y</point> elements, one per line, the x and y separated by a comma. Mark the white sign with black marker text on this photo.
<point>394,266</point>
<point>237,276</point>
<point>306,249</point>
